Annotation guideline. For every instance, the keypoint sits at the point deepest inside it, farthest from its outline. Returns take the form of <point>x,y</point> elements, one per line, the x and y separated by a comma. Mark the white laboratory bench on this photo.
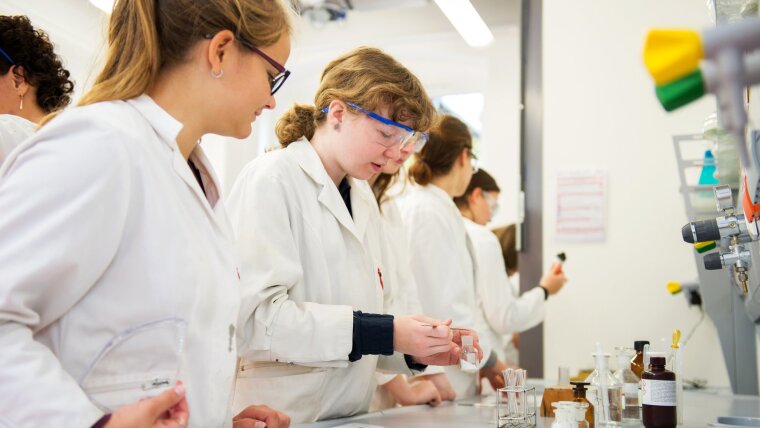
<point>700,409</point>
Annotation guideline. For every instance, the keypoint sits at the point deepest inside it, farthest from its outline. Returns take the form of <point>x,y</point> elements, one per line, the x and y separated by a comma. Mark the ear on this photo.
<point>464,157</point>
<point>218,46</point>
<point>19,81</point>
<point>336,113</point>
<point>475,195</point>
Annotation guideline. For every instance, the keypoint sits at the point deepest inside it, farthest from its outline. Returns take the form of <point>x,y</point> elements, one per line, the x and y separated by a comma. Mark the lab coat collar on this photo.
<point>329,196</point>
<point>167,128</point>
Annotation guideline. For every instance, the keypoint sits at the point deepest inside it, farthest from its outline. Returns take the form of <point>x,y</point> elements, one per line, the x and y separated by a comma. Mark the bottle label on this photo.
<point>658,392</point>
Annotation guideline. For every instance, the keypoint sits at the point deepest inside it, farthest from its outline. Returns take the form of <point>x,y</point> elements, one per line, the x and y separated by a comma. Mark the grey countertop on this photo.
<point>700,408</point>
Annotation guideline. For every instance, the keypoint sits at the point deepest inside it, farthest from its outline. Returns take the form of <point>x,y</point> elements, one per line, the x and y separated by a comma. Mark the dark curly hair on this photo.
<point>42,68</point>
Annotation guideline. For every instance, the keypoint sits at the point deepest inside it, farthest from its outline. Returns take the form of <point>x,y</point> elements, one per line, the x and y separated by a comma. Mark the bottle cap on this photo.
<point>639,345</point>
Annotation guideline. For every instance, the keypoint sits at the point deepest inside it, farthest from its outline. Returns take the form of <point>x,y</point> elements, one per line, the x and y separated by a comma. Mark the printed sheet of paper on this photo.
<point>581,206</point>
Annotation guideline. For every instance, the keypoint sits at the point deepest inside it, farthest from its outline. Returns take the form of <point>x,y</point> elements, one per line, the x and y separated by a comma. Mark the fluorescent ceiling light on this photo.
<point>466,20</point>
<point>104,5</point>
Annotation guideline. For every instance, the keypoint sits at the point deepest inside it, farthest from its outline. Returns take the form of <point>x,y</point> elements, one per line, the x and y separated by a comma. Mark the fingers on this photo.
<point>271,417</point>
<point>248,423</point>
<point>172,402</point>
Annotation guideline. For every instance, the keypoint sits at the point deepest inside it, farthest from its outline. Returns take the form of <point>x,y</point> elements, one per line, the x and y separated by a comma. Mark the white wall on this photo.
<point>601,112</point>
<point>76,28</point>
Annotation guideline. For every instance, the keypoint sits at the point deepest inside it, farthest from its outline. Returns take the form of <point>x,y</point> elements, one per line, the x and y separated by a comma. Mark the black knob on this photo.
<point>712,261</point>
<point>706,230</point>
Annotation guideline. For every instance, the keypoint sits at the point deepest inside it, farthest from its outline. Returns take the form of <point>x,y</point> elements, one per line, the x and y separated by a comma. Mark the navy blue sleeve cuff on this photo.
<point>413,365</point>
<point>373,335</point>
<point>102,421</point>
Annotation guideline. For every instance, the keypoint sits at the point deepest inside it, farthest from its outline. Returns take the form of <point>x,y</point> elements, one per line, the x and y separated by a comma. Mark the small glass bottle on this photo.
<point>630,399</point>
<point>564,415</point>
<point>580,415</point>
<point>469,359</point>
<point>658,387</point>
<point>637,362</point>
<point>579,396</point>
<point>604,393</point>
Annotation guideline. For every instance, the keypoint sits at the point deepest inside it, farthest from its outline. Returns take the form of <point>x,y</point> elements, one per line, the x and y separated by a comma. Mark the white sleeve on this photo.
<point>504,312</point>
<point>64,201</point>
<point>13,130</point>
<point>271,326</point>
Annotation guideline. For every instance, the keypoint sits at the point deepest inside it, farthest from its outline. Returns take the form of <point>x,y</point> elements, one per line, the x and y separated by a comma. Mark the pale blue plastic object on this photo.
<point>707,177</point>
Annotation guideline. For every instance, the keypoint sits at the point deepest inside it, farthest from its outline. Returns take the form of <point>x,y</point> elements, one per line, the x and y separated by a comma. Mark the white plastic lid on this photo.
<point>467,340</point>
<point>656,354</point>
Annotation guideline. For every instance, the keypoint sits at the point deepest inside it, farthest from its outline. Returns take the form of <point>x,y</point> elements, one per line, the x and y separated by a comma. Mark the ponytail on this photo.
<point>134,53</point>
<point>419,171</point>
<point>448,137</point>
<point>299,121</point>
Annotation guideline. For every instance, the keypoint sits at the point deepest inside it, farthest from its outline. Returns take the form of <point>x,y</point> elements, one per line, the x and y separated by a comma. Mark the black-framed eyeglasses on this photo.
<point>276,82</point>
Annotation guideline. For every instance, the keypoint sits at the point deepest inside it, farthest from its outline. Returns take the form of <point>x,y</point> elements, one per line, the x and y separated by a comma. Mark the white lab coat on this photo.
<point>306,266</point>
<point>443,267</point>
<point>104,228</point>
<point>504,312</point>
<point>13,130</point>
<point>400,293</point>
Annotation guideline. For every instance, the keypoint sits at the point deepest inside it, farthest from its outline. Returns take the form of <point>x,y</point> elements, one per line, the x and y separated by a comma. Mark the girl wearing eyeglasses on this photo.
<point>119,272</point>
<point>310,238</point>
<point>504,312</point>
<point>440,251</point>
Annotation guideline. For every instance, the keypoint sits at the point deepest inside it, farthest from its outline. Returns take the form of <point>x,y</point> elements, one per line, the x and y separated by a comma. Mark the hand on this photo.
<point>553,280</point>
<point>494,375</point>
<point>166,410</point>
<point>425,392</point>
<point>442,384</point>
<point>454,353</point>
<point>420,336</point>
<point>260,417</point>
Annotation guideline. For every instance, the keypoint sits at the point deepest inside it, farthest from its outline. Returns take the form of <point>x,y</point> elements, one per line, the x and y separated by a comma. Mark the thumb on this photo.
<point>556,268</point>
<point>161,403</point>
<point>259,424</point>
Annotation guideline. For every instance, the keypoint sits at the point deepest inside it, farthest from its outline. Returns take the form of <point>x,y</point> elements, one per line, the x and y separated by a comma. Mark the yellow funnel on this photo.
<point>671,54</point>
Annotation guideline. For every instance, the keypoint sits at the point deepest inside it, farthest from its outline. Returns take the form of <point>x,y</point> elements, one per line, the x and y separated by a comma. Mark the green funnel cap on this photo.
<point>680,92</point>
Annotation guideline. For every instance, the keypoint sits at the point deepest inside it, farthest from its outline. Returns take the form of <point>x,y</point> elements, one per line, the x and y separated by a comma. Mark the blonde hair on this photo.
<point>146,36</point>
<point>448,138</point>
<point>367,77</point>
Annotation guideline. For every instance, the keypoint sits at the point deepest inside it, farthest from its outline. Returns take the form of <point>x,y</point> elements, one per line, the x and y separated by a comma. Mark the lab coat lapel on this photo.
<point>167,128</point>
<point>329,196</point>
<point>362,207</point>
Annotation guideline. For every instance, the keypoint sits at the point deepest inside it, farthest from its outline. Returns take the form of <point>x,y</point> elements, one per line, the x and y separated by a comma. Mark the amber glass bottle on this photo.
<point>637,363</point>
<point>579,395</point>
<point>658,387</point>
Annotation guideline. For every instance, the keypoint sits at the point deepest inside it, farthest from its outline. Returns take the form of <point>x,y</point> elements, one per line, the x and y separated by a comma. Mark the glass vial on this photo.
<point>469,360</point>
<point>579,396</point>
<point>630,394</point>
